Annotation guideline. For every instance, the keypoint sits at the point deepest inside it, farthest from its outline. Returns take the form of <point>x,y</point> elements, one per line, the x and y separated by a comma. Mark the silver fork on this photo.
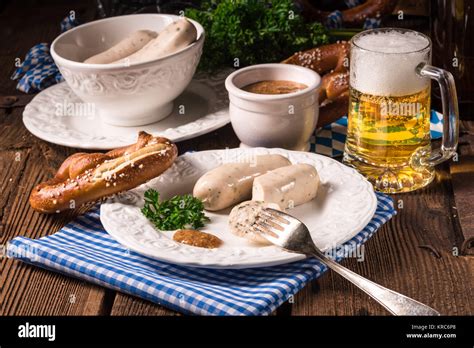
<point>291,234</point>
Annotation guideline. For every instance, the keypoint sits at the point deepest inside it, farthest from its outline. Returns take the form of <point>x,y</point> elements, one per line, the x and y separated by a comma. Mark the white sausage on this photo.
<point>287,186</point>
<point>174,37</point>
<point>124,48</point>
<point>231,183</point>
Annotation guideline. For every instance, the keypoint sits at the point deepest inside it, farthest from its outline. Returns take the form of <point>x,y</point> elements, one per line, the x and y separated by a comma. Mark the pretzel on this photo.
<point>352,17</point>
<point>87,177</point>
<point>332,62</point>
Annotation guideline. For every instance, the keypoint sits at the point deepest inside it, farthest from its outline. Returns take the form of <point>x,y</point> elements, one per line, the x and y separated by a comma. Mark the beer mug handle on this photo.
<point>449,100</point>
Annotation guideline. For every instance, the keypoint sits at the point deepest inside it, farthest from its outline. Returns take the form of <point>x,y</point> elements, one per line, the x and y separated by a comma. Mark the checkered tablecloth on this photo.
<point>83,249</point>
<point>38,70</point>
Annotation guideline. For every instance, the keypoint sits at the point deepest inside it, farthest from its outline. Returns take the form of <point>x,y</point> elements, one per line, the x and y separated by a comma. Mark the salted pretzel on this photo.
<point>332,62</point>
<point>88,177</point>
<point>351,17</point>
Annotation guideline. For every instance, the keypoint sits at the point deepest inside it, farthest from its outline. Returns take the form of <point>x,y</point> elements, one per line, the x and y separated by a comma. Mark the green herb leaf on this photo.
<point>253,31</point>
<point>176,213</point>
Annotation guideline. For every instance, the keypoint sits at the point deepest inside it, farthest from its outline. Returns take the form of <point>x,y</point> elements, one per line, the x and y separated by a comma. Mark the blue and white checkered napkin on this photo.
<point>329,140</point>
<point>84,250</point>
<point>38,70</point>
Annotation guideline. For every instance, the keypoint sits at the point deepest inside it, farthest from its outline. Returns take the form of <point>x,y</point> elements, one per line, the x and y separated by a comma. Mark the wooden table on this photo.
<point>415,253</point>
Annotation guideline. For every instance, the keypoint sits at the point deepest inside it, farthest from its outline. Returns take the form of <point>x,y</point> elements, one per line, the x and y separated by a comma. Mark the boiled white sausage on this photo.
<point>124,48</point>
<point>174,37</point>
<point>231,183</point>
<point>287,186</point>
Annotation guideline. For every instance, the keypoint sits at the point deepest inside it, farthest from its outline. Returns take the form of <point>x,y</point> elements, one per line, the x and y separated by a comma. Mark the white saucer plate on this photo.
<point>58,116</point>
<point>344,205</point>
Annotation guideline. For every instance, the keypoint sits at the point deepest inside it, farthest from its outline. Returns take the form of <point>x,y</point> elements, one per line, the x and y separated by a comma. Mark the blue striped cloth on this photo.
<point>329,140</point>
<point>84,250</point>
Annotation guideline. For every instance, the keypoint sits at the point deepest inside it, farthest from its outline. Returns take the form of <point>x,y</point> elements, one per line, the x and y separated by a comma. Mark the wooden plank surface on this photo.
<point>462,170</point>
<point>25,161</point>
<point>411,254</point>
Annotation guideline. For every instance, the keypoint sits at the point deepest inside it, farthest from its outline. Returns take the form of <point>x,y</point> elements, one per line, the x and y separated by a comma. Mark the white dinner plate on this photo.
<point>58,116</point>
<point>344,205</point>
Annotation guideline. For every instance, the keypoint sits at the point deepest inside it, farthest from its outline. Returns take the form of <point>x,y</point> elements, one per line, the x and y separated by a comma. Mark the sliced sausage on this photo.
<point>243,217</point>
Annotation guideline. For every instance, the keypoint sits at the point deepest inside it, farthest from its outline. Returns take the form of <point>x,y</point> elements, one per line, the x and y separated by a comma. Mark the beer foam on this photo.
<point>392,42</point>
<point>384,63</point>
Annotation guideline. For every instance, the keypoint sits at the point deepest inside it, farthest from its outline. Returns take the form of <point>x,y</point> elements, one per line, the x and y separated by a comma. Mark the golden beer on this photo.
<point>387,137</point>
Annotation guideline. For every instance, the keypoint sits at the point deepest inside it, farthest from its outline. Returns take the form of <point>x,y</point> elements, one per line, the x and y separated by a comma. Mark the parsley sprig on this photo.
<point>175,213</point>
<point>253,31</point>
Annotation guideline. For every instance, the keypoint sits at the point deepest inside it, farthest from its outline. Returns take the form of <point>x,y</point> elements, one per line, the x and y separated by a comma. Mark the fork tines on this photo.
<point>277,215</point>
<point>268,222</point>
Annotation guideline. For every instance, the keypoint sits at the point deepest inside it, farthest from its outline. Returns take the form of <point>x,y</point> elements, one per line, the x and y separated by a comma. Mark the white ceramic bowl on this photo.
<point>278,120</point>
<point>125,95</point>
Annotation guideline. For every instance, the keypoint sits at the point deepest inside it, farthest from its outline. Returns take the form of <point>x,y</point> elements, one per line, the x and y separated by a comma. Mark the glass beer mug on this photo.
<point>388,135</point>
